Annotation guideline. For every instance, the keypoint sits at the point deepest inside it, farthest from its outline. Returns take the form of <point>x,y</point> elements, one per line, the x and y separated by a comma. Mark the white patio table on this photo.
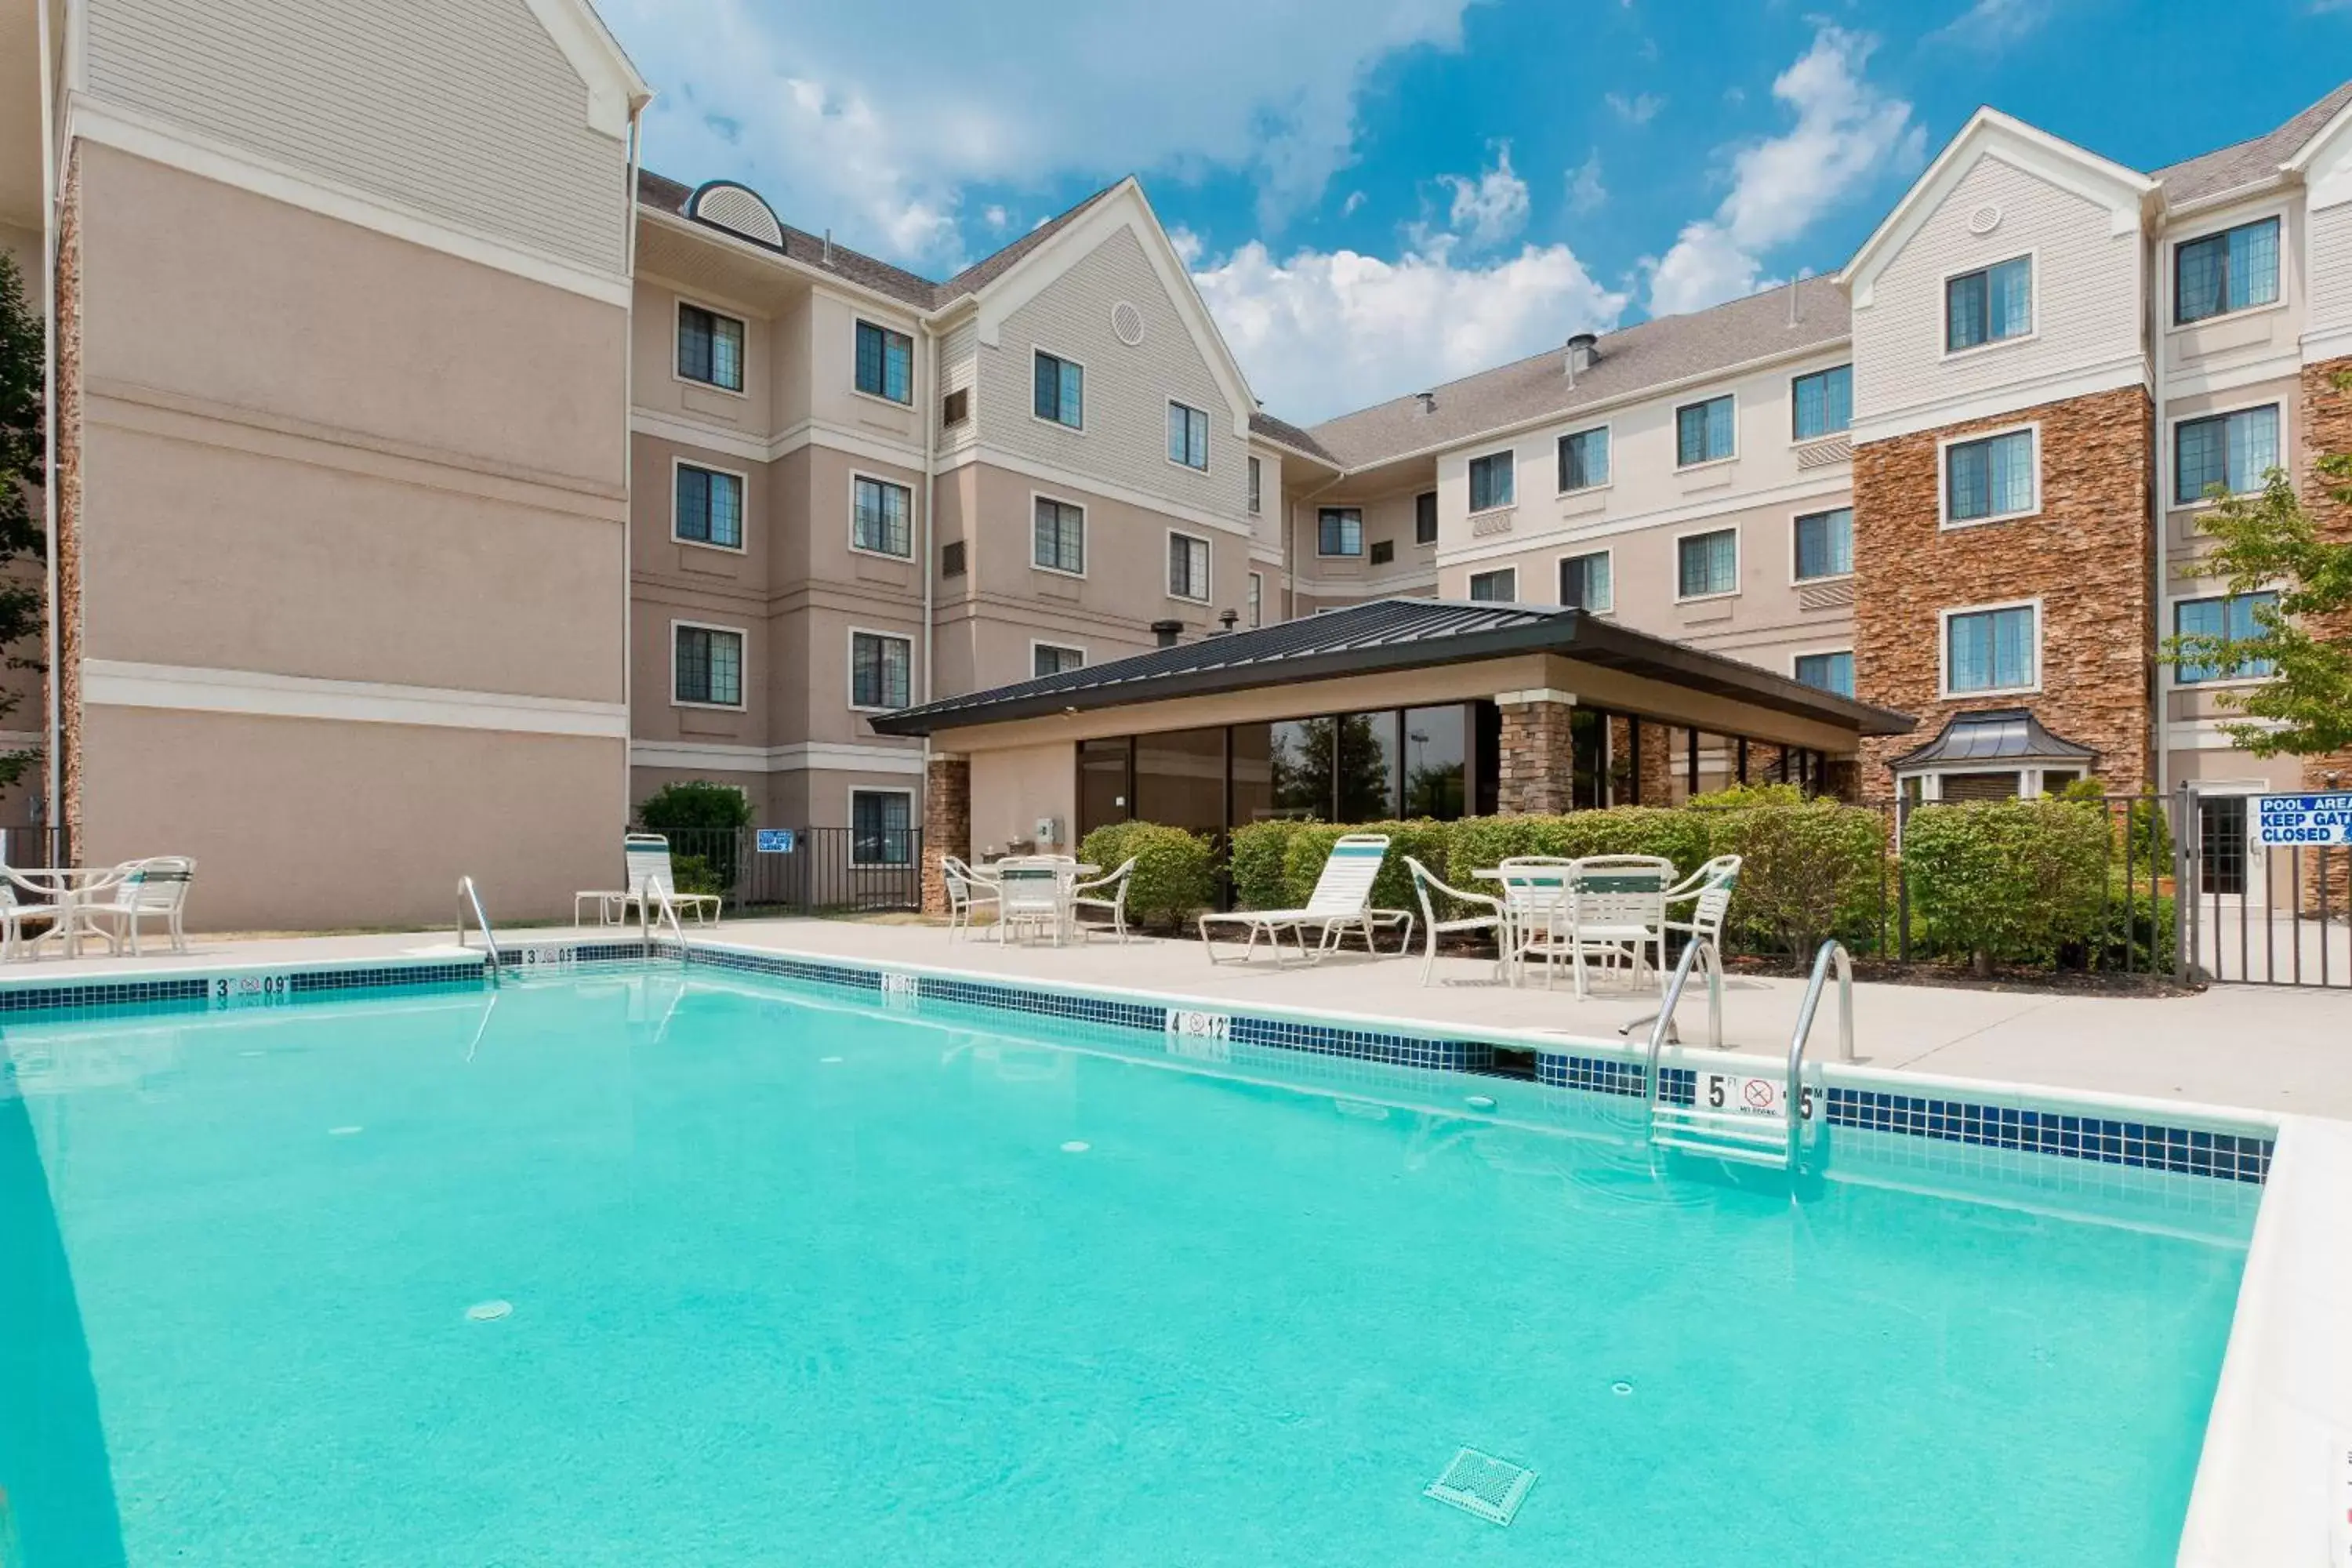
<point>70,890</point>
<point>1022,898</point>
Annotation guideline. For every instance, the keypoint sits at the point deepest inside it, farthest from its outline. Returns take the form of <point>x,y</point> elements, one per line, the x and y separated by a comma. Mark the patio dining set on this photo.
<point>1036,897</point>
<point>69,904</point>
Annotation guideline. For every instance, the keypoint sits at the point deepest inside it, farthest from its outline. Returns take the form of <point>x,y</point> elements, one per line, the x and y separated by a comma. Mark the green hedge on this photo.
<point>1809,870</point>
<point>1175,871</point>
<point>1257,863</point>
<point>2010,881</point>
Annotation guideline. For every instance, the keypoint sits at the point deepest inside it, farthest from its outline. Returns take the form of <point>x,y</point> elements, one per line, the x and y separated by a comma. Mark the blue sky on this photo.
<point>1377,195</point>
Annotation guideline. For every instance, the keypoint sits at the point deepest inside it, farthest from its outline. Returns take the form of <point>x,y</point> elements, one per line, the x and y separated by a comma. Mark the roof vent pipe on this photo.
<point>1792,303</point>
<point>1583,350</point>
<point>828,247</point>
<point>1428,402</point>
<point>1166,631</point>
<point>1228,619</point>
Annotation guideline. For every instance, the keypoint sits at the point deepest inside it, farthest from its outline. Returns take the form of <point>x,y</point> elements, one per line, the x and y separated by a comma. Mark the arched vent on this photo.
<point>1127,321</point>
<point>1985,219</point>
<point>738,209</point>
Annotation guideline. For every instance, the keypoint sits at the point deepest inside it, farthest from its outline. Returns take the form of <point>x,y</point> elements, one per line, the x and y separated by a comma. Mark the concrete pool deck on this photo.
<point>2254,1048</point>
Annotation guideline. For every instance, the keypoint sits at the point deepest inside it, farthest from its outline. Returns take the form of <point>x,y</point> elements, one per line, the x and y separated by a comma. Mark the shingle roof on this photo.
<point>2247,162</point>
<point>1288,435</point>
<point>1386,635</point>
<point>1651,354</point>
<point>1995,735</point>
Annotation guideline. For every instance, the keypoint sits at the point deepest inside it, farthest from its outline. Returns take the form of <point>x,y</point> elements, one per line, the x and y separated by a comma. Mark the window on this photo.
<point>2235,451</point>
<point>709,348</point>
<point>1706,563</point>
<point>881,827</point>
<point>1989,478</point>
<point>1045,659</point>
<point>1500,587</point>
<point>1989,305</point>
<point>1383,551</point>
<point>1991,650</point>
<point>2234,270</point>
<point>879,517</point>
<point>1188,437</point>
<point>1257,599</point>
<point>956,407</point>
<point>1829,671</point>
<point>885,364</point>
<point>1584,581</point>
<point>2231,616</point>
<point>1339,530</point>
<point>1703,432</point>
<point>1824,401</point>
<point>1491,480</point>
<point>1188,567</point>
<point>1825,544</point>
<point>1061,391</point>
<point>1424,518</point>
<point>881,670</point>
<point>951,558</point>
<point>2222,832</point>
<point>1254,487</point>
<point>1584,460</point>
<point>706,667</point>
<point>1060,544</point>
<point>709,507</point>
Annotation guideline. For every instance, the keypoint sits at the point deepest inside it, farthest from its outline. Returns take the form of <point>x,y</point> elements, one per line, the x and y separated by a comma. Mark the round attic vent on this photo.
<point>739,210</point>
<point>1127,321</point>
<point>1985,219</point>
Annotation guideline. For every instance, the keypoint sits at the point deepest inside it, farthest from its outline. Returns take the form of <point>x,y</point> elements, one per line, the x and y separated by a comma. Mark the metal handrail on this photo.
<point>1665,1020</point>
<point>467,895</point>
<point>1811,1005</point>
<point>645,895</point>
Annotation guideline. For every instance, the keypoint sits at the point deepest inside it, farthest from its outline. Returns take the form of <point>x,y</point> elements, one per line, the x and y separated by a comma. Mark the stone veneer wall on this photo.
<point>947,824</point>
<point>65,448</point>
<point>1536,764</point>
<point>2327,427</point>
<point>2088,555</point>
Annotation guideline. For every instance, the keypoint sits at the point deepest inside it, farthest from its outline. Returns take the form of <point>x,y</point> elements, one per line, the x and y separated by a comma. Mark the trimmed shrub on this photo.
<point>1809,870</point>
<point>704,822</point>
<point>1175,871</point>
<point>2134,932</point>
<point>2010,881</point>
<point>693,874</point>
<point>1255,863</point>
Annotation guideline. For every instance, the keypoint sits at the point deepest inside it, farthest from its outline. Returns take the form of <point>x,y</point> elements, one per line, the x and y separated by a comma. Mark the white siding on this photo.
<point>2331,269</point>
<point>463,110</point>
<point>959,370</point>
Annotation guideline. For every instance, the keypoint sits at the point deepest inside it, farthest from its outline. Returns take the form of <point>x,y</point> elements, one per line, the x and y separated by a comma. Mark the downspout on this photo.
<point>53,717</point>
<point>629,469</point>
<point>927,562</point>
<point>2160,698</point>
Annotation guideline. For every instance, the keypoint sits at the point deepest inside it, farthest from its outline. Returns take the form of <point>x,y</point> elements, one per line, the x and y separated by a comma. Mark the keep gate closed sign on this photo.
<point>2289,819</point>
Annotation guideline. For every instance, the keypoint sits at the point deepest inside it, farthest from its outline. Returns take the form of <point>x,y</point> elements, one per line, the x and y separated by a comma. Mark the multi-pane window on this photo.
<point>1424,518</point>
<point>1060,536</point>
<point>706,667</point>
<point>1253,479</point>
<point>1825,543</point>
<point>1257,599</point>
<point>1989,478</point>
<point>1989,304</point>
<point>885,362</point>
<point>1060,390</point>
<point>1491,479</point>
<point>1829,671</point>
<point>1584,581</point>
<point>1188,437</point>
<point>710,509</point>
<point>881,517</point>
<point>1047,658</point>
<point>2236,451</point>
<point>1188,567</point>
<point>1991,650</point>
<point>1703,431</point>
<point>881,670</point>
<point>1339,530</point>
<point>2234,270</point>
<point>881,827</point>
<point>1498,587</point>
<point>1584,460</point>
<point>709,348</point>
<point>2229,615</point>
<point>1824,401</point>
<point>1706,563</point>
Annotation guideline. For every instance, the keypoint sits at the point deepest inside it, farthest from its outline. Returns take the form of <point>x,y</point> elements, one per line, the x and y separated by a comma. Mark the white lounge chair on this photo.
<point>645,859</point>
<point>1496,917</point>
<point>1086,898</point>
<point>1340,904</point>
<point>967,891</point>
<point>155,888</point>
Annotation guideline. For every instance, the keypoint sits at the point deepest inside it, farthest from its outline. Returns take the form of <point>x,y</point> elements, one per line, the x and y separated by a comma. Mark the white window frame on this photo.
<point>1564,556</point>
<point>1437,510</point>
<point>1944,521</point>
<point>1208,571</point>
<point>1255,480</point>
<point>914,825</point>
<point>1256,604</point>
<point>2170,477</point>
<point>1796,653</point>
<point>2169,625</point>
<point>1674,434</point>
<point>1086,395</point>
<point>1085,544</point>
<point>1036,643</point>
<point>2206,230</point>
<point>1607,428</point>
<point>912,527</point>
<point>680,461</point>
<point>2032,778</point>
<point>1208,439</point>
<point>914,365</point>
<point>1943,692</point>
<point>1797,376</point>
<point>2032,257</point>
<point>849,674</point>
<point>1738,563</point>
<point>1509,453</point>
<point>1366,543</point>
<point>677,332</point>
<point>744,675</point>
<point>1844,576</point>
<point>1511,571</point>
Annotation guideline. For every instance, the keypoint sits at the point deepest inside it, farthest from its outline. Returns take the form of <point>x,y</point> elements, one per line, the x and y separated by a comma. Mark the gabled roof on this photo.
<point>1995,735</point>
<point>988,268</point>
<point>1380,636</point>
<point>2248,162</point>
<point>1282,433</point>
<point>615,90</point>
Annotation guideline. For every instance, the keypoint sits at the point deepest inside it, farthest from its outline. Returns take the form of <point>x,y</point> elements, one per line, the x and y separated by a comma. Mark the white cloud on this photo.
<point>1637,111</point>
<point>1847,133</point>
<point>1326,331</point>
<point>1491,208</point>
<point>1585,192</point>
<point>995,218</point>
<point>875,129</point>
<point>1993,23</point>
<point>1355,199</point>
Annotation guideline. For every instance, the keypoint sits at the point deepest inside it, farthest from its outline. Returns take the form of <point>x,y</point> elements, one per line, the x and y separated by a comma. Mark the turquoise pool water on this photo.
<point>797,1281</point>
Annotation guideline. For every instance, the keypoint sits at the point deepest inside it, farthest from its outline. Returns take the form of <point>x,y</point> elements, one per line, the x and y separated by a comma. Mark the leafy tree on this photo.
<point>21,385</point>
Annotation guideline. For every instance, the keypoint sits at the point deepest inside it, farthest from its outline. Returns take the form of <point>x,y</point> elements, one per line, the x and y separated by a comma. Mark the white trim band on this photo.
<point>115,683</point>
<point>802,757</point>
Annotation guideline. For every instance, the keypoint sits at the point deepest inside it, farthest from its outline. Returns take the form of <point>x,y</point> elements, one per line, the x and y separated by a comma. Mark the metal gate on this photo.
<point>2253,914</point>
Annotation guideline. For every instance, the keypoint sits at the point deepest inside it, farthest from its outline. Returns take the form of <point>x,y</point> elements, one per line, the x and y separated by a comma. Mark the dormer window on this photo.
<point>2235,270</point>
<point>1990,305</point>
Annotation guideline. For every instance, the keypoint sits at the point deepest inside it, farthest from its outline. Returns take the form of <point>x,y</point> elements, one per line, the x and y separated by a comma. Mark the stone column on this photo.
<point>1537,764</point>
<point>2327,427</point>
<point>947,823</point>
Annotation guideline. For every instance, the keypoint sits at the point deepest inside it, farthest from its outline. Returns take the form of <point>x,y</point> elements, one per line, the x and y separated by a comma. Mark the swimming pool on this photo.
<point>655,1267</point>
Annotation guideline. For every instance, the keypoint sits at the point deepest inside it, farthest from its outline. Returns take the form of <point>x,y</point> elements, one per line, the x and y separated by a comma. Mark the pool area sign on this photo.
<point>2290,819</point>
<point>773,840</point>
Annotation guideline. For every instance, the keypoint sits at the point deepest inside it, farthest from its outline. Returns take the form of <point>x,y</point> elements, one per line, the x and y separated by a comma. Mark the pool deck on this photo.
<point>2256,1047</point>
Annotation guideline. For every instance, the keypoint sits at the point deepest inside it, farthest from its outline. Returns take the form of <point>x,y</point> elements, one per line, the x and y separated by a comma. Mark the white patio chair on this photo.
<point>14,913</point>
<point>1617,909</point>
<point>1496,919</point>
<point>1032,891</point>
<point>1535,891</point>
<point>645,859</point>
<point>1708,891</point>
<point>1084,898</point>
<point>1340,905</point>
<point>155,888</point>
<point>968,891</point>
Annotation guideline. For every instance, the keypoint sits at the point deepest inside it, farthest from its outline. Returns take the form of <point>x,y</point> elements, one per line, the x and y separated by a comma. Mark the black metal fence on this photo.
<point>2256,914</point>
<point>35,844</point>
<point>801,870</point>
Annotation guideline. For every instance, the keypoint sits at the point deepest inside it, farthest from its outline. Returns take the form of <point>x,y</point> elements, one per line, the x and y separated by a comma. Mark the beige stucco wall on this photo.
<point>1014,786</point>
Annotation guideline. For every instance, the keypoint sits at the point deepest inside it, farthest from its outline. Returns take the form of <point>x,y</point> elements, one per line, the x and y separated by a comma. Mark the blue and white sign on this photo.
<point>2286,819</point>
<point>775,840</point>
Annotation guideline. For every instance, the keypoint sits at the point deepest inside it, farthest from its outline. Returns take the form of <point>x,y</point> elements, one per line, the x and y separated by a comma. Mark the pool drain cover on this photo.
<point>1481,1484</point>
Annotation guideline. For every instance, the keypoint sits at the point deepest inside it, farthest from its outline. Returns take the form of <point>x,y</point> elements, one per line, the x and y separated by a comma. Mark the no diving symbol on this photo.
<point>1758,1093</point>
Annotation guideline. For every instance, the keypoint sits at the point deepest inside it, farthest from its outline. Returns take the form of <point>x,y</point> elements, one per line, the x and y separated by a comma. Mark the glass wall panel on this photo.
<point>1102,784</point>
<point>1486,758</point>
<point>1436,760</point>
<point>1588,734</point>
<point>1718,763</point>
<point>1252,775</point>
<point>1368,771</point>
<point>1179,779</point>
<point>1299,757</point>
<point>1675,741</point>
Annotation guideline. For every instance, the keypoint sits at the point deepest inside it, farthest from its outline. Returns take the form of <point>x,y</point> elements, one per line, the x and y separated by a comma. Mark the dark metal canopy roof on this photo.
<point>1995,735</point>
<point>1388,635</point>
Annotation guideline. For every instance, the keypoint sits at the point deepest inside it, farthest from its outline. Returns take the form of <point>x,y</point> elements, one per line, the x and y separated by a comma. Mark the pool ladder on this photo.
<point>1731,1135</point>
<point>469,901</point>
